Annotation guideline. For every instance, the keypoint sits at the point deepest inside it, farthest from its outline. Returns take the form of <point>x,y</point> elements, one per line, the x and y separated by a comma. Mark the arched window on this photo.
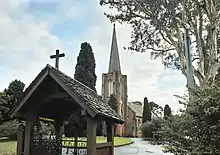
<point>110,87</point>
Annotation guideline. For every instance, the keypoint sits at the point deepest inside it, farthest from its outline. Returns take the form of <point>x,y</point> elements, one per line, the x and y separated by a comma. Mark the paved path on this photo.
<point>140,147</point>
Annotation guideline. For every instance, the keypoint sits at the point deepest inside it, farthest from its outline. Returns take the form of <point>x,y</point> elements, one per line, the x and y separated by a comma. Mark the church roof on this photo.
<point>137,108</point>
<point>88,96</point>
<point>114,62</point>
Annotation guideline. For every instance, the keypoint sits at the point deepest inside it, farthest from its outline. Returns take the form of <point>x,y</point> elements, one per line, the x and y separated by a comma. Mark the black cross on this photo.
<point>57,56</point>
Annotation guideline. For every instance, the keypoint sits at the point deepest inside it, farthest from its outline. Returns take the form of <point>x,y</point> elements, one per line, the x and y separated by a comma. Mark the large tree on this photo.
<point>85,67</point>
<point>146,111</point>
<point>158,26</point>
<point>9,98</point>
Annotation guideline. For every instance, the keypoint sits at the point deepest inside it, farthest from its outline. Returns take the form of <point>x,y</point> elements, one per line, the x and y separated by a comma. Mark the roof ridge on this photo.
<point>89,96</point>
<point>29,87</point>
<point>92,91</point>
<point>51,67</point>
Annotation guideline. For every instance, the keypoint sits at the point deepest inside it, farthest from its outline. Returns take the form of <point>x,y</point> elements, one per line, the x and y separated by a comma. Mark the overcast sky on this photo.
<point>31,30</point>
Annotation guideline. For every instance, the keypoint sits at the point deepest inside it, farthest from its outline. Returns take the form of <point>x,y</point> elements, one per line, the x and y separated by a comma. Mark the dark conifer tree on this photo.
<point>85,67</point>
<point>146,111</point>
<point>167,111</point>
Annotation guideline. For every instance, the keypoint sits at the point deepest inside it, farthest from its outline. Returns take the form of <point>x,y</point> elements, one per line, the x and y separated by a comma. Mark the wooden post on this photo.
<point>59,127</point>
<point>110,136</point>
<point>28,137</point>
<point>20,139</point>
<point>91,136</point>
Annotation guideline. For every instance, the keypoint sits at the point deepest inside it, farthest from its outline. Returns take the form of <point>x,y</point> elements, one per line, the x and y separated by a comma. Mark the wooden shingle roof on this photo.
<point>90,98</point>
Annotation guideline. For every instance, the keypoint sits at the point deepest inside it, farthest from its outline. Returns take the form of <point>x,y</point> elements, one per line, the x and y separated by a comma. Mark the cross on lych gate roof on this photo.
<point>57,56</point>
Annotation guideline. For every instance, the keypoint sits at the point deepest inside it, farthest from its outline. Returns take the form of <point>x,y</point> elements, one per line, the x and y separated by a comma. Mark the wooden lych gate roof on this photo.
<point>87,98</point>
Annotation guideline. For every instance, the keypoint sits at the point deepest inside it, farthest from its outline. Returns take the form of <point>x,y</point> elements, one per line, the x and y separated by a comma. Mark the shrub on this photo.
<point>9,129</point>
<point>147,129</point>
<point>197,129</point>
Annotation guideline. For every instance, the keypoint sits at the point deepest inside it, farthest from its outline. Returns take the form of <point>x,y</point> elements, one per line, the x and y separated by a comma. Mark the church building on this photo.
<point>114,82</point>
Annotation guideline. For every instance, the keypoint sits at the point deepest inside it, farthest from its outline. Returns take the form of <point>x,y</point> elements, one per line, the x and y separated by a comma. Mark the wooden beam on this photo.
<point>28,136</point>
<point>73,95</point>
<point>110,136</point>
<point>91,136</point>
<point>51,97</point>
<point>20,139</point>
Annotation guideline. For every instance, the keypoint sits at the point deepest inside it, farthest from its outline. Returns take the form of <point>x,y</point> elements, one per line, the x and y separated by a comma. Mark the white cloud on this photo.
<point>25,47</point>
<point>24,44</point>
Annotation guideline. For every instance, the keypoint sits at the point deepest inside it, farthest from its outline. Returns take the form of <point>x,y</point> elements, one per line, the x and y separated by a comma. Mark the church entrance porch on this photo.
<point>56,96</point>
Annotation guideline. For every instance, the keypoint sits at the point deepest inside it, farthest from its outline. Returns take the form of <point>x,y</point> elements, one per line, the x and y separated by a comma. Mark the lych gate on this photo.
<point>56,96</point>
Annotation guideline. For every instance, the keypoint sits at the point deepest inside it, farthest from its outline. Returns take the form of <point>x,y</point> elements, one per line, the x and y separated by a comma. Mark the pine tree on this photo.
<point>167,111</point>
<point>146,111</point>
<point>85,67</point>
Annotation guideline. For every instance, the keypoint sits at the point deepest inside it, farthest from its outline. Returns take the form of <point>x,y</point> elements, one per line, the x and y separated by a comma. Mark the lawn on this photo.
<point>9,147</point>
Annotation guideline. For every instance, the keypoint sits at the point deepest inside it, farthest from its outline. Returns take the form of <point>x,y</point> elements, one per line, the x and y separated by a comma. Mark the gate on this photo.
<point>53,146</point>
<point>74,142</point>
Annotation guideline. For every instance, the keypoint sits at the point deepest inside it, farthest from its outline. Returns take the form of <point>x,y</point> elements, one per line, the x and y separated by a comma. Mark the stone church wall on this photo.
<point>131,123</point>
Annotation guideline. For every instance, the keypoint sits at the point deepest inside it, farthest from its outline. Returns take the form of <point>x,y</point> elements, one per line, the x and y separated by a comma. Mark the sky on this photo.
<point>32,30</point>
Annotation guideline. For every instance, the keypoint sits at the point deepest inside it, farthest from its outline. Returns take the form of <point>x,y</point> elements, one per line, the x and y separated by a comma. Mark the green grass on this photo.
<point>9,147</point>
<point>117,141</point>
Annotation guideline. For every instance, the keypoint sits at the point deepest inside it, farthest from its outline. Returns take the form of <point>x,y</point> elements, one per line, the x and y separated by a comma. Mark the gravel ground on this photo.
<point>140,147</point>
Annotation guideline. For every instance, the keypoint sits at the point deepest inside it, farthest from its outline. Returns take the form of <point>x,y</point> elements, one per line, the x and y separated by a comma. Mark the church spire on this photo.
<point>114,63</point>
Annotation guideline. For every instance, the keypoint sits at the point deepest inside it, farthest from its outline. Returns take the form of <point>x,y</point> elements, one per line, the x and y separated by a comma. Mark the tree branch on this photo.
<point>164,37</point>
<point>137,15</point>
<point>198,74</point>
<point>195,59</point>
<point>160,50</point>
<point>213,70</point>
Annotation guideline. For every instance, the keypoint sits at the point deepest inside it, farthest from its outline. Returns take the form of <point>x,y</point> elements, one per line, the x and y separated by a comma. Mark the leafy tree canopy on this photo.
<point>85,67</point>
<point>9,97</point>
<point>196,130</point>
<point>158,26</point>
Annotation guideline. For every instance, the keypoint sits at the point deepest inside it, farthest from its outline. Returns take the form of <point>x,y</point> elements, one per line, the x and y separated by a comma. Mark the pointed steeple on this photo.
<point>114,63</point>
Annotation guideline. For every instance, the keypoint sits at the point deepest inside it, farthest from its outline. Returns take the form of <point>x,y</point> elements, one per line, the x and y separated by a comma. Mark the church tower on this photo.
<point>114,82</point>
